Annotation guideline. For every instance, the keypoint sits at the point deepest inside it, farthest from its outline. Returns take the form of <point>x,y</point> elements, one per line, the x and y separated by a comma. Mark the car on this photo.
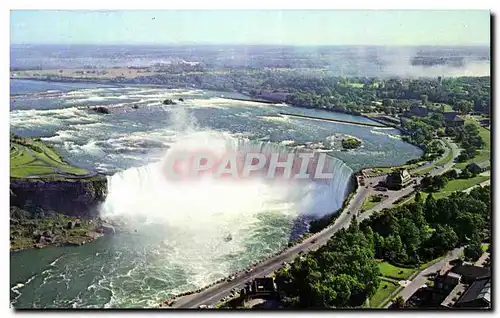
<point>313,241</point>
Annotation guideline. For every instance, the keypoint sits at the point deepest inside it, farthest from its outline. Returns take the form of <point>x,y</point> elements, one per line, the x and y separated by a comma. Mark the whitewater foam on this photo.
<point>194,217</point>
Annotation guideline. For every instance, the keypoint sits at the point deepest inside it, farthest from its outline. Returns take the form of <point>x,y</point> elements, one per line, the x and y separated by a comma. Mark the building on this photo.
<point>463,285</point>
<point>484,122</point>
<point>261,287</point>
<point>398,179</point>
<point>452,119</point>
<point>419,111</point>
<point>478,295</point>
<point>478,167</point>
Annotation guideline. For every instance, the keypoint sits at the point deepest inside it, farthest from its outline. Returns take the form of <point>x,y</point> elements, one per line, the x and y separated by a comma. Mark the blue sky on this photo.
<point>252,27</point>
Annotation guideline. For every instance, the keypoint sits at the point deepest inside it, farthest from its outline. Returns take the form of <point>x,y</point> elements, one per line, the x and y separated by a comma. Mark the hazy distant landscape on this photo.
<point>370,61</point>
<point>398,102</point>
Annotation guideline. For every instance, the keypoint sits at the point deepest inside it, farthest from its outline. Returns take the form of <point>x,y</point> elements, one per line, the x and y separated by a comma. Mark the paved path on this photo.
<point>422,277</point>
<point>482,184</point>
<point>213,294</point>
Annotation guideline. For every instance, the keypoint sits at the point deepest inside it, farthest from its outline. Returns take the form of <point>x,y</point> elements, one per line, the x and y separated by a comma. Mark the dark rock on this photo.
<point>18,213</point>
<point>78,223</point>
<point>79,198</point>
<point>71,225</point>
<point>47,233</point>
<point>100,110</point>
<point>181,99</point>
<point>107,229</point>
<point>169,102</point>
<point>135,107</point>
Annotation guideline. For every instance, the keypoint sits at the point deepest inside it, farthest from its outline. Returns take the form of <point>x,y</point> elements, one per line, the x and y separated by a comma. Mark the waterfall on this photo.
<point>145,192</point>
<point>188,223</point>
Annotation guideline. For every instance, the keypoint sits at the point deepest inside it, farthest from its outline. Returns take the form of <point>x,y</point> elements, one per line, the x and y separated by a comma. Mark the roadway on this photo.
<point>213,294</point>
<point>423,276</point>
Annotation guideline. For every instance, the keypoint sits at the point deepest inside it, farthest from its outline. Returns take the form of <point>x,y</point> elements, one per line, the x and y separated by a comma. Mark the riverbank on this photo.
<point>52,202</point>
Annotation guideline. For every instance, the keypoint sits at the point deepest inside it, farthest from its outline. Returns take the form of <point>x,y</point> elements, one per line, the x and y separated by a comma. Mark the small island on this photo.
<point>100,109</point>
<point>351,143</point>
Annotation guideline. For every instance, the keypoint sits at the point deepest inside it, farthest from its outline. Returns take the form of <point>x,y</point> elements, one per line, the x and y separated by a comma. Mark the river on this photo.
<point>179,244</point>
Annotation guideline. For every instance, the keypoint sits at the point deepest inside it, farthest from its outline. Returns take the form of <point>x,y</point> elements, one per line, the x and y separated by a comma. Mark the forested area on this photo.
<point>469,139</point>
<point>344,272</point>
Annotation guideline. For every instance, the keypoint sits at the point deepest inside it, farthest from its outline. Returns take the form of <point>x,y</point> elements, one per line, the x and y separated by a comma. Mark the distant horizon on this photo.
<point>405,28</point>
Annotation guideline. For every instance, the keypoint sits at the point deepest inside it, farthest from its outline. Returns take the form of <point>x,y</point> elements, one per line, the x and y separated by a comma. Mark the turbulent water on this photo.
<point>177,231</point>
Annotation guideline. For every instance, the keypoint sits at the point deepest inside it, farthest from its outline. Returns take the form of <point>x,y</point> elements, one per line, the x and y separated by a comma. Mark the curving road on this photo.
<point>423,276</point>
<point>212,295</point>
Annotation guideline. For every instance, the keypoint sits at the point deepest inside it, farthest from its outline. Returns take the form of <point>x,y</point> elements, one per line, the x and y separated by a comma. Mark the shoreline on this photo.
<point>297,241</point>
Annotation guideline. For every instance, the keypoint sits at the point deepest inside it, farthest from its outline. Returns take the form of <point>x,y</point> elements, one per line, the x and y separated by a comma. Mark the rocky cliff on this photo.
<point>72,197</point>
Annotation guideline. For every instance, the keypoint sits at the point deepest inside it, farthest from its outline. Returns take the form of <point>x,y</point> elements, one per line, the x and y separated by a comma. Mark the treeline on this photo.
<point>464,94</point>
<point>344,272</point>
<point>419,232</point>
<point>436,183</point>
<point>469,139</point>
<point>312,88</point>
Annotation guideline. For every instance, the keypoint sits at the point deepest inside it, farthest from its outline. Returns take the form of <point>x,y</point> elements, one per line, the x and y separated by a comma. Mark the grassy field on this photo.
<point>459,185</point>
<point>440,162</point>
<point>384,290</point>
<point>34,158</point>
<point>484,247</point>
<point>355,85</point>
<point>451,186</point>
<point>369,203</point>
<point>485,153</point>
<point>391,271</point>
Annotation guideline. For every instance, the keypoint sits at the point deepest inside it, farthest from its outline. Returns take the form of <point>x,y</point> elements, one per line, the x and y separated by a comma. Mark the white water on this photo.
<point>191,219</point>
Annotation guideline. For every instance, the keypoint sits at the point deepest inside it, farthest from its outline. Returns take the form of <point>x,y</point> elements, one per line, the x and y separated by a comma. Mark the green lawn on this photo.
<point>384,290</point>
<point>462,184</point>
<point>440,162</point>
<point>485,153</point>
<point>369,203</point>
<point>451,186</point>
<point>447,108</point>
<point>31,158</point>
<point>429,263</point>
<point>391,271</point>
<point>484,247</point>
<point>356,85</point>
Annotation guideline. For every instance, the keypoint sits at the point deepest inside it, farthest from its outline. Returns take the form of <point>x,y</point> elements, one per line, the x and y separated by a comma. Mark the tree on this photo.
<point>398,302</point>
<point>418,197</point>
<point>443,239</point>
<point>473,251</point>
<point>451,174</point>
<point>464,106</point>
